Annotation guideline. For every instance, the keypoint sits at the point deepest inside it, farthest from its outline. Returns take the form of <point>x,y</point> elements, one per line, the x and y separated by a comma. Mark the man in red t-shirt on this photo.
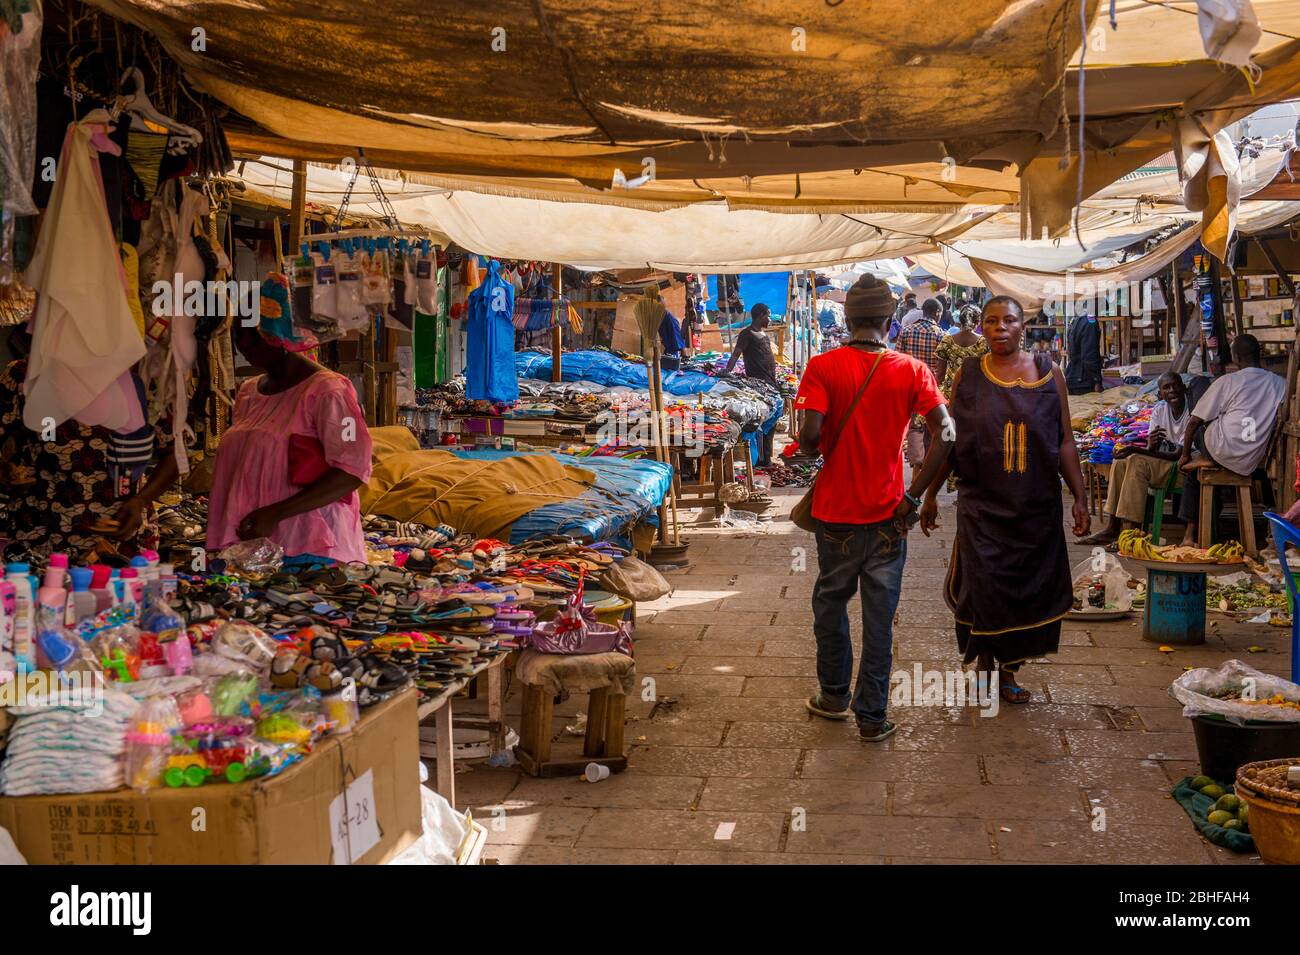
<point>862,509</point>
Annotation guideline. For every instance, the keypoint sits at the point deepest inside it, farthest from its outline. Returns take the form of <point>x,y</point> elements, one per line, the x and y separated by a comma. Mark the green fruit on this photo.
<point>1221,818</point>
<point>1200,782</point>
<point>1214,790</point>
<point>1243,813</point>
<point>1232,824</point>
<point>1228,803</point>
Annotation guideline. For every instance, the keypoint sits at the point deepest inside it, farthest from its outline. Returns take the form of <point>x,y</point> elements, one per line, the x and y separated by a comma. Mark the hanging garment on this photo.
<point>448,358</point>
<point>144,154</point>
<point>84,337</point>
<point>130,452</point>
<point>131,266</point>
<point>426,350</point>
<point>183,212</point>
<point>490,355</point>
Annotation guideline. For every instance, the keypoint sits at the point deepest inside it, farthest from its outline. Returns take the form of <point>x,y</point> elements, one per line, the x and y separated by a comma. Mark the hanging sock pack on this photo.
<point>349,303</point>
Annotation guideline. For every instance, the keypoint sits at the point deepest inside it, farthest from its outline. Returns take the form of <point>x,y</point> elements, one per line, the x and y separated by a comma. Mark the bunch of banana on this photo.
<point>1133,543</point>
<point>1227,552</point>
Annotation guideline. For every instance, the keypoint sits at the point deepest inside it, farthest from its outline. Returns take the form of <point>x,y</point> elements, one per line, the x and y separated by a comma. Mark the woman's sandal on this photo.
<point>1014,693</point>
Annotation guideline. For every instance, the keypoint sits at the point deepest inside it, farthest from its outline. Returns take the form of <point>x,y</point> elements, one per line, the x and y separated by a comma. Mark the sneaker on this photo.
<point>875,732</point>
<point>817,707</point>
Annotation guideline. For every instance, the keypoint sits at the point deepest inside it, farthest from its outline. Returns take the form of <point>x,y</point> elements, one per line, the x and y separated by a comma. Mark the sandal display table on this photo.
<point>439,709</point>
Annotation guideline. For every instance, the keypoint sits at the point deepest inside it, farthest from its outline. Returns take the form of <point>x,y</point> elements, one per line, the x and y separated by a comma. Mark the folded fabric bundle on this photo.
<point>67,749</point>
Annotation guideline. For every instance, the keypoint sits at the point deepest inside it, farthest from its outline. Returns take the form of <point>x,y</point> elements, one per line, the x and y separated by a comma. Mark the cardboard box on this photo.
<point>283,819</point>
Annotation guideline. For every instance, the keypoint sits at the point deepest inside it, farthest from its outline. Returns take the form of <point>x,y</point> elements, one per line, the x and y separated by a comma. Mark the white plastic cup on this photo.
<point>596,772</point>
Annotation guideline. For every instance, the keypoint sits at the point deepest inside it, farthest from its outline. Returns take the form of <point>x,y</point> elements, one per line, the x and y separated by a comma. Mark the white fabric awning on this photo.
<point>711,237</point>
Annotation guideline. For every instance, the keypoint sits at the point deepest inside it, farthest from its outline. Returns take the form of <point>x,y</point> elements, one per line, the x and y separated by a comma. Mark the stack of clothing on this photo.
<point>1112,427</point>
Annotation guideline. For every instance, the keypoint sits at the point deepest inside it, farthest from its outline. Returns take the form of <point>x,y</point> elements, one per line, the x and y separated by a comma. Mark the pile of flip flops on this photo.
<point>432,617</point>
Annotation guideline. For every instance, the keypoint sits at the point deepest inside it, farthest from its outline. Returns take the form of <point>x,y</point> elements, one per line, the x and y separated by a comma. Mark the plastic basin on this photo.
<point>1223,747</point>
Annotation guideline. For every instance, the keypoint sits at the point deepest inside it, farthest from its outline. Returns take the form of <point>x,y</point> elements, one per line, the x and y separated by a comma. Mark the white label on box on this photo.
<point>354,821</point>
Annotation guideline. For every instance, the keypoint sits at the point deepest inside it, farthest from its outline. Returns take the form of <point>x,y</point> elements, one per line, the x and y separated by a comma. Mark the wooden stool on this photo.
<point>606,677</point>
<point>1213,477</point>
<point>1097,476</point>
<point>1221,477</point>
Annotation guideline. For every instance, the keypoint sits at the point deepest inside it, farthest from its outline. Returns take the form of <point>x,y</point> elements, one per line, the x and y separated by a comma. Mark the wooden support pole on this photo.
<point>1224,358</point>
<point>1282,274</point>
<point>557,333</point>
<point>297,206</point>
<point>1238,309</point>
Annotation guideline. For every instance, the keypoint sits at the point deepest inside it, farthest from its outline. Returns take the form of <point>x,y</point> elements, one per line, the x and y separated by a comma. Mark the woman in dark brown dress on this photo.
<point>1009,577</point>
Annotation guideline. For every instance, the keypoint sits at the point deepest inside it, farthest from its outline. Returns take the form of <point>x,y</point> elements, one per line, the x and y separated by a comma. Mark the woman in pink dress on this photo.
<point>291,463</point>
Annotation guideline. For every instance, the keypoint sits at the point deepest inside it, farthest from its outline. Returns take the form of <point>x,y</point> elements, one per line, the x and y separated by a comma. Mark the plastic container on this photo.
<point>132,592</point>
<point>81,602</point>
<point>101,587</point>
<point>24,614</point>
<point>8,610</point>
<point>1224,747</point>
<point>56,571</point>
<point>167,583</point>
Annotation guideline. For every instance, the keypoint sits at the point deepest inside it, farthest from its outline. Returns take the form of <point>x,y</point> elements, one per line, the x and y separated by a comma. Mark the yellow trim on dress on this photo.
<point>1015,454</point>
<point>1018,383</point>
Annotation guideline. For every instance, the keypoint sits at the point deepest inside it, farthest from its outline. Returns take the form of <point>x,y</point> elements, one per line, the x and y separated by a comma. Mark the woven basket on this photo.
<point>1267,780</point>
<point>1274,809</point>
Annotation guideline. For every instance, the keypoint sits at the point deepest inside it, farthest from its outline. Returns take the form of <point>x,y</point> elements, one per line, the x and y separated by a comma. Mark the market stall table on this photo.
<point>439,707</point>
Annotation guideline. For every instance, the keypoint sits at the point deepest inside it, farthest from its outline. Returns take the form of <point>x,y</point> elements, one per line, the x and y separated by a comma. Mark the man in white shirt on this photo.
<point>1137,468</point>
<point>1231,425</point>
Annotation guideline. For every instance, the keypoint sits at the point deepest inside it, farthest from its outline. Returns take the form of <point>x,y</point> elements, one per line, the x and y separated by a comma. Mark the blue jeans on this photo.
<point>849,557</point>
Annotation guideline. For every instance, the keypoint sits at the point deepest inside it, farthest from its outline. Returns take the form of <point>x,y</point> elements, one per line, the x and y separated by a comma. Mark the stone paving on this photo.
<point>722,743</point>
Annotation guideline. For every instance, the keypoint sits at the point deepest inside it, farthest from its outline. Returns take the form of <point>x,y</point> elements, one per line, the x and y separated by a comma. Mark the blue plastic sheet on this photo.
<point>626,491</point>
<point>608,370</point>
<point>770,288</point>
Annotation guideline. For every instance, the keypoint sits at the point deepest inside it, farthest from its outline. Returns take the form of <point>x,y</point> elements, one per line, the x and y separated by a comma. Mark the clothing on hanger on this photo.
<point>490,341</point>
<point>84,337</point>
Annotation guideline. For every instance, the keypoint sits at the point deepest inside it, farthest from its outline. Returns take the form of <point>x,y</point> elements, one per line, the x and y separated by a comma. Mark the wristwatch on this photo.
<point>913,500</point>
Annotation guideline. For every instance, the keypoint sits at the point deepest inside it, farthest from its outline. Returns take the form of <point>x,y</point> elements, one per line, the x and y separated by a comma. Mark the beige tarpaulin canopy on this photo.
<point>712,238</point>
<point>913,106</point>
<point>1049,261</point>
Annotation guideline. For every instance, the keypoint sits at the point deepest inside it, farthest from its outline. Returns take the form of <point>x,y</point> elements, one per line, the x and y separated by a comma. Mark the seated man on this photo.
<point>1136,469</point>
<point>1231,425</point>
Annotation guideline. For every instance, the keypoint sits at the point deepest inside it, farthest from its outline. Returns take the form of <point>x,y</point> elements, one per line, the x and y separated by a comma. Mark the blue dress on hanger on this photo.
<point>490,341</point>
